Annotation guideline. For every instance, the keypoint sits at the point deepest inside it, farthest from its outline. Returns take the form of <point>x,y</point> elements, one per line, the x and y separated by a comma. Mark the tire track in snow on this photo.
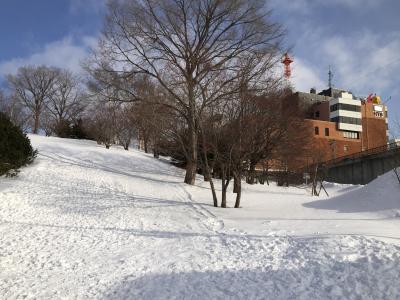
<point>208,219</point>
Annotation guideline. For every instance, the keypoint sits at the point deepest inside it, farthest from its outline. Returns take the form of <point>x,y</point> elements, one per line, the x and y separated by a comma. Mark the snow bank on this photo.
<point>84,222</point>
<point>380,197</point>
<point>370,210</point>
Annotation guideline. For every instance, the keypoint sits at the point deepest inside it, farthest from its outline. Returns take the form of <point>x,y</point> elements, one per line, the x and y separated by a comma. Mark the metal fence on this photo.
<point>392,147</point>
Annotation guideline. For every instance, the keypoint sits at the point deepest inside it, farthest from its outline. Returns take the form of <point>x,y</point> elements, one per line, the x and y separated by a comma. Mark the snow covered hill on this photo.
<point>84,222</point>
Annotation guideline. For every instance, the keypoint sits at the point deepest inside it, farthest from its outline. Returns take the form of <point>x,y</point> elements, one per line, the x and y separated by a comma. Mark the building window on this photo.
<point>326,131</point>
<point>317,114</point>
<point>343,106</point>
<point>345,148</point>
<point>347,120</point>
<point>351,135</point>
<point>316,129</point>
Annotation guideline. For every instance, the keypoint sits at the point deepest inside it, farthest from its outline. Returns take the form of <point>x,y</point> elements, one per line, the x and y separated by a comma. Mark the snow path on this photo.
<point>88,223</point>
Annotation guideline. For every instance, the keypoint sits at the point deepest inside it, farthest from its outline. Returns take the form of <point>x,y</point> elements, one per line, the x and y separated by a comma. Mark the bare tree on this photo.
<point>15,111</point>
<point>144,119</point>
<point>33,86</point>
<point>244,132</point>
<point>195,50</point>
<point>395,130</point>
<point>103,123</point>
<point>48,125</point>
<point>66,101</point>
<point>125,125</point>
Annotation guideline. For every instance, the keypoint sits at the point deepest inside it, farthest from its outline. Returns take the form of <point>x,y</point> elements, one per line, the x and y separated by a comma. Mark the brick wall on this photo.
<point>374,128</point>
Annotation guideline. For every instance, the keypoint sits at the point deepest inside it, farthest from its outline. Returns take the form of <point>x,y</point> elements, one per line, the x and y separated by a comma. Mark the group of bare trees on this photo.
<point>45,98</point>
<point>199,52</point>
<point>194,79</point>
<point>201,77</point>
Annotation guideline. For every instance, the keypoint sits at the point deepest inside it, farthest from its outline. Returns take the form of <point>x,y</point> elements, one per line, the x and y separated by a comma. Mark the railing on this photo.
<point>382,149</point>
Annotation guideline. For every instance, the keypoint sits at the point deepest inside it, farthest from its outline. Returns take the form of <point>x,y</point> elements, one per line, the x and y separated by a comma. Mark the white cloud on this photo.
<point>66,53</point>
<point>355,4</point>
<point>304,76</point>
<point>308,6</point>
<point>364,62</point>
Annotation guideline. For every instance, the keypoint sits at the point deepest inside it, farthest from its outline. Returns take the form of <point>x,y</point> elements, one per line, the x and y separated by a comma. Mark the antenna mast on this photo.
<point>330,76</point>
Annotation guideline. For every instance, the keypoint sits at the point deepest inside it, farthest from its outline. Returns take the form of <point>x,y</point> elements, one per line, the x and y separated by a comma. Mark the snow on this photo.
<point>373,210</point>
<point>84,222</point>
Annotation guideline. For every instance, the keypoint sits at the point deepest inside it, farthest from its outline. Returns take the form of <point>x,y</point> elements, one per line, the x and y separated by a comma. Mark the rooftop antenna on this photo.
<point>330,76</point>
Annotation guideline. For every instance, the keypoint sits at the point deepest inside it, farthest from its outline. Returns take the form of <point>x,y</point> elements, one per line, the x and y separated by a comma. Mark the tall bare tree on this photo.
<point>194,49</point>
<point>32,86</point>
<point>66,101</point>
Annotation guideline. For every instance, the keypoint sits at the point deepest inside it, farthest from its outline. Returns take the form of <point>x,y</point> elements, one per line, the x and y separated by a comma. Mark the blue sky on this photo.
<point>53,32</point>
<point>360,39</point>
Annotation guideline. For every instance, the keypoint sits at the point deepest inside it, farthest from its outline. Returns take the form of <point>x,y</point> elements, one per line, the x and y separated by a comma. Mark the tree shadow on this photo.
<point>327,279</point>
<point>159,234</point>
<point>97,202</point>
<point>100,199</point>
<point>134,170</point>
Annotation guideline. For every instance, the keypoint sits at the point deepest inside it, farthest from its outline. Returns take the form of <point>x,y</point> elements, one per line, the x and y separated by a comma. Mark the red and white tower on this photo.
<point>287,60</point>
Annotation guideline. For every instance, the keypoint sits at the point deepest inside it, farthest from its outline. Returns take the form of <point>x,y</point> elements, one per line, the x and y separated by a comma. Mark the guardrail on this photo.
<point>382,149</point>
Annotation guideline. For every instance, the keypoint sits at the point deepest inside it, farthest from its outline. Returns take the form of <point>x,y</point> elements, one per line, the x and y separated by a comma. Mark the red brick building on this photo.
<point>342,123</point>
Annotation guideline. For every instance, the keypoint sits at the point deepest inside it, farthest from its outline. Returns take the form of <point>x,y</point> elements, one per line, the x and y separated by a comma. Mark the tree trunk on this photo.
<point>266,170</point>
<point>214,193</point>
<point>211,169</point>
<point>37,122</point>
<point>236,183</point>
<point>252,173</point>
<point>207,177</point>
<point>225,182</point>
<point>223,190</point>
<point>238,187</point>
<point>206,169</point>
<point>191,166</point>
<point>156,152</point>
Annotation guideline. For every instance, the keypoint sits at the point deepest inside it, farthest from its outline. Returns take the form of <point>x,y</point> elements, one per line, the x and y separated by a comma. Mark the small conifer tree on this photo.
<point>15,148</point>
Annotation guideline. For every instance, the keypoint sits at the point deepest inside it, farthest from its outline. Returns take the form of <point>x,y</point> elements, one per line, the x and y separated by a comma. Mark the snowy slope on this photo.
<point>372,210</point>
<point>84,222</point>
